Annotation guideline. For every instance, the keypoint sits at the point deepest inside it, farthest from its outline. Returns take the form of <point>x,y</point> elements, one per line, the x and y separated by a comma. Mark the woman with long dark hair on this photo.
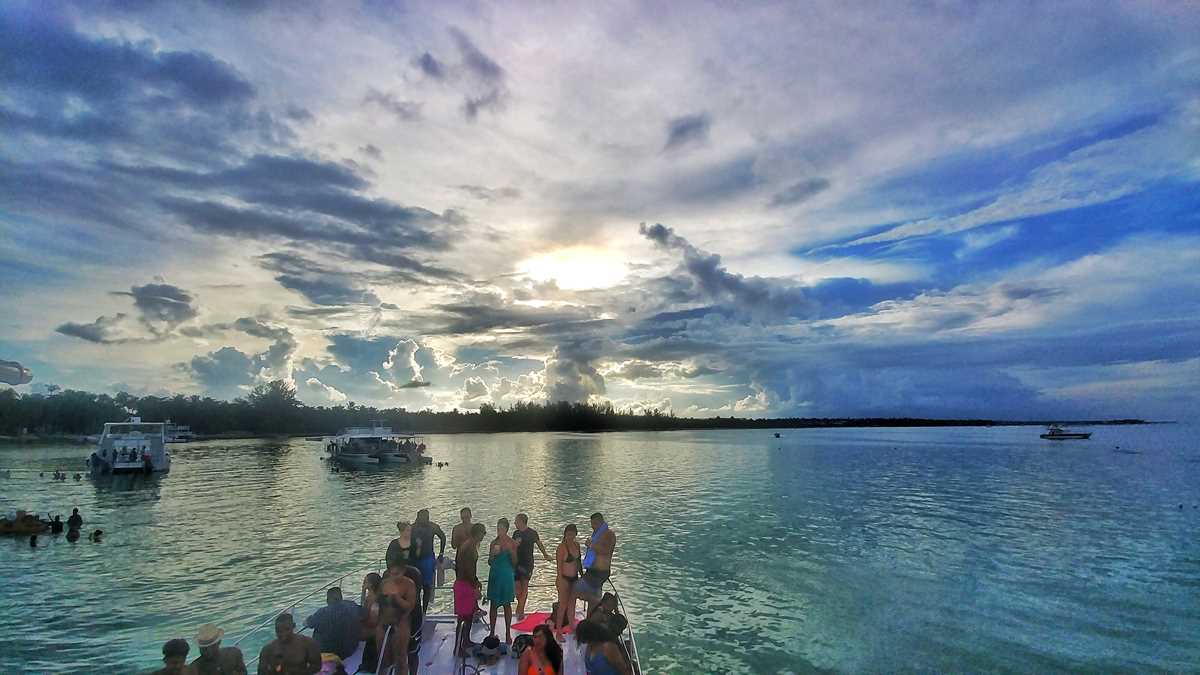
<point>567,558</point>
<point>544,657</point>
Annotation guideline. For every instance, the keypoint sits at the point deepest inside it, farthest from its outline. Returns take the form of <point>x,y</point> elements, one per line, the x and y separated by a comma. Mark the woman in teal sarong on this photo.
<point>501,590</point>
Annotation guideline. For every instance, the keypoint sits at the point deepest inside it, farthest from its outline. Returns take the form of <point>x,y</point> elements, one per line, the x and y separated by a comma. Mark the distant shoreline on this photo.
<point>706,424</point>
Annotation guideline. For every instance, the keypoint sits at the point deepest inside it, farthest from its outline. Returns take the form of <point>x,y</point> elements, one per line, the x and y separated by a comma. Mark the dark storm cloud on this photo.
<point>404,110</point>
<point>489,78</point>
<point>687,130</point>
<point>322,285</point>
<point>482,65</point>
<point>162,306</point>
<point>414,384</point>
<point>571,373</point>
<point>61,84</point>
<point>483,313</point>
<point>766,299</point>
<point>14,373</point>
<point>225,372</point>
<point>430,66</point>
<point>800,192</point>
<point>104,330</point>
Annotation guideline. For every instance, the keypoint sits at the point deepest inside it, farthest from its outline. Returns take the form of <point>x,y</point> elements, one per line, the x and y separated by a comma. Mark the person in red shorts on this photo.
<point>467,588</point>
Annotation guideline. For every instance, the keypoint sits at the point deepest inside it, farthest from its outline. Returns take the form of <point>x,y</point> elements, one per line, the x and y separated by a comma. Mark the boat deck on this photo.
<point>437,650</point>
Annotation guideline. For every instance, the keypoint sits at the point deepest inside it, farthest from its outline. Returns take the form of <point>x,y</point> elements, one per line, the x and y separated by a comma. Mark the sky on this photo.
<point>757,209</point>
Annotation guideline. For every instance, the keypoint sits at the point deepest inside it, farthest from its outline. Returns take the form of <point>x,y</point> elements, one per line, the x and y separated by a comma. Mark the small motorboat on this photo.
<point>1055,432</point>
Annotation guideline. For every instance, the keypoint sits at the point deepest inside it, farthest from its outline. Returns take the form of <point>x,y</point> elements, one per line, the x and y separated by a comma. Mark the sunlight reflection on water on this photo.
<point>848,550</point>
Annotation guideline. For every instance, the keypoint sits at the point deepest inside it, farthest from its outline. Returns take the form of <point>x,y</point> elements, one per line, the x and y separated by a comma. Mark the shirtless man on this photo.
<point>397,597</point>
<point>467,589</point>
<point>289,653</point>
<point>423,532</point>
<point>598,561</point>
<point>462,531</point>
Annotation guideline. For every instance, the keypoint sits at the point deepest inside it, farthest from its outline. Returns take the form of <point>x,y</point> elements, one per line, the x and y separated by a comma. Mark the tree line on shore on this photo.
<point>273,408</point>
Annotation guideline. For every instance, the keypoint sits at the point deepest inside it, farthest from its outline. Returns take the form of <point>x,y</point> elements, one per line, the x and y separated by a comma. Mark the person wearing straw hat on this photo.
<point>214,659</point>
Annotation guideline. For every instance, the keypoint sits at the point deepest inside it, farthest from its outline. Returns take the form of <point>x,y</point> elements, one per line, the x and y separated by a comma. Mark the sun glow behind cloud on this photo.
<point>575,268</point>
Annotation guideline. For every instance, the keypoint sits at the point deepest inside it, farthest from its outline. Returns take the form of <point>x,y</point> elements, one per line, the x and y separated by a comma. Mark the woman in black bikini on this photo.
<point>567,557</point>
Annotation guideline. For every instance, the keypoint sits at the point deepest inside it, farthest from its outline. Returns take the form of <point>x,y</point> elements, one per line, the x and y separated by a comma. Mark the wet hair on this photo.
<point>285,618</point>
<point>478,531</point>
<point>74,511</point>
<point>598,516</point>
<point>423,516</point>
<point>334,593</point>
<point>502,523</point>
<point>465,509</point>
<point>523,518</point>
<point>372,581</point>
<point>175,647</point>
<point>554,653</point>
<point>570,528</point>
<point>590,632</point>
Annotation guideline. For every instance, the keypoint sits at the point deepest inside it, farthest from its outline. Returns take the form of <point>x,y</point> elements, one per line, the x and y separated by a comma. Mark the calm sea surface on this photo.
<point>849,550</point>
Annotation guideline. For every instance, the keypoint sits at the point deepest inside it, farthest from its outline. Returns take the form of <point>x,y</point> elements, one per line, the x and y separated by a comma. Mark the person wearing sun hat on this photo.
<point>214,659</point>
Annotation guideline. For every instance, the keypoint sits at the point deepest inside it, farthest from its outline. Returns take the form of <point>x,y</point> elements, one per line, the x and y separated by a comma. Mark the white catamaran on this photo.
<point>376,444</point>
<point>133,446</point>
<point>437,639</point>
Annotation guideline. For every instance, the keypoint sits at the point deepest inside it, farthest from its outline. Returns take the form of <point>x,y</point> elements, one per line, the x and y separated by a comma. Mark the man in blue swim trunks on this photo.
<point>423,533</point>
<point>597,561</point>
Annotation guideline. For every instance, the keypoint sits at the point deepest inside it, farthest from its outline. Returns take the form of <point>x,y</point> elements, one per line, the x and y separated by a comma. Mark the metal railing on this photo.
<point>270,620</point>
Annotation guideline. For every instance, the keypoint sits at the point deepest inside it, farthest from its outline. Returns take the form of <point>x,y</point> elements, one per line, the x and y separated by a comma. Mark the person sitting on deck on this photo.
<point>467,588</point>
<point>605,613</point>
<point>544,657</point>
<point>289,653</point>
<point>75,522</point>
<point>215,659</point>
<point>602,656</point>
<point>175,653</point>
<point>337,626</point>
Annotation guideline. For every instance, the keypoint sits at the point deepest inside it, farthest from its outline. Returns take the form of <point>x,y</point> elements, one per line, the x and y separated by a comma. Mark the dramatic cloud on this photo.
<point>14,373</point>
<point>1000,223</point>
<point>687,130</point>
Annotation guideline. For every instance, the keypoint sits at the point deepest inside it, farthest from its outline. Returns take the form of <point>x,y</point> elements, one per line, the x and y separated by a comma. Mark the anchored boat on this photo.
<point>1055,432</point>
<point>133,446</point>
<point>376,444</point>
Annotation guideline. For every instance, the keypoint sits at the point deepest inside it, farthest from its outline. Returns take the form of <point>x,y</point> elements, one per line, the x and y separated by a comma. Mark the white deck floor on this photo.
<point>437,650</point>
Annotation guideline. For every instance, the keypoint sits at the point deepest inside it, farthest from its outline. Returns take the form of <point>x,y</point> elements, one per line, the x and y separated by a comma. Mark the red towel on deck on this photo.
<point>532,621</point>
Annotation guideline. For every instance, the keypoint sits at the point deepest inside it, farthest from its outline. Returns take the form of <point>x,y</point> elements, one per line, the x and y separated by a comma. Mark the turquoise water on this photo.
<point>850,550</point>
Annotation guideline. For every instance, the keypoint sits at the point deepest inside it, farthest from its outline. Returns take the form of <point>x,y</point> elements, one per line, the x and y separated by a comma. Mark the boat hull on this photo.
<point>1066,437</point>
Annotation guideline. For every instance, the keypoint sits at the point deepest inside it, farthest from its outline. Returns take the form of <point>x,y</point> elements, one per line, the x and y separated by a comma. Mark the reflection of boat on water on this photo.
<point>179,433</point>
<point>23,524</point>
<point>376,444</point>
<point>1055,432</point>
<point>131,447</point>
<point>436,652</point>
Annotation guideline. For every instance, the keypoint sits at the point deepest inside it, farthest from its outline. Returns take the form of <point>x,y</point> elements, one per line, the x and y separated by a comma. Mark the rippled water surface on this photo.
<point>850,550</point>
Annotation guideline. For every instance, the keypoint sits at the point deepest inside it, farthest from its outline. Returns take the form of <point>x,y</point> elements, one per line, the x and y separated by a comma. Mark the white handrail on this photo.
<point>635,661</point>
<point>271,619</point>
